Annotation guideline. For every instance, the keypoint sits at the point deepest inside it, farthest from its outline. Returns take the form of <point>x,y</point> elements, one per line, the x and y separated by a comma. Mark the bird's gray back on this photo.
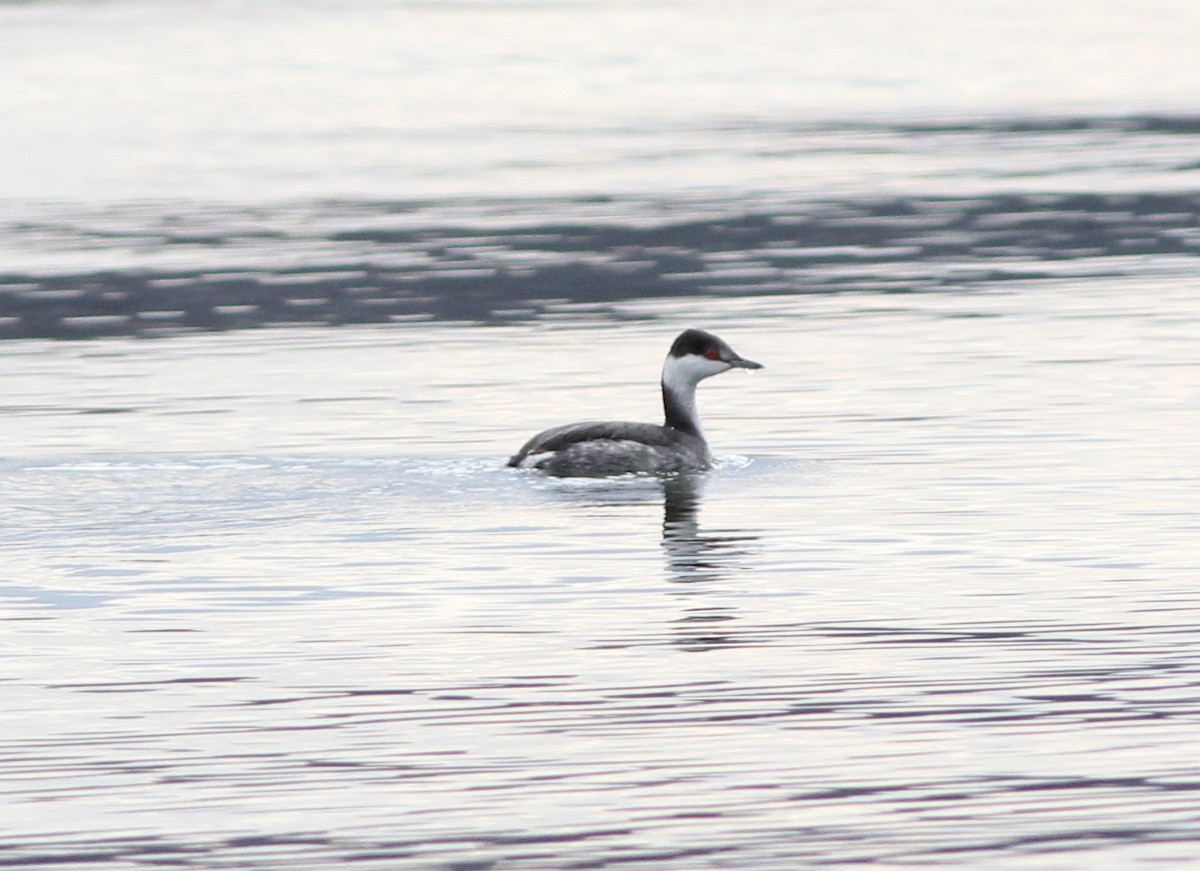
<point>608,447</point>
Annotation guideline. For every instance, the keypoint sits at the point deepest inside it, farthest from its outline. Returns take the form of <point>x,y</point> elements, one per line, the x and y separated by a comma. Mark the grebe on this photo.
<point>600,448</point>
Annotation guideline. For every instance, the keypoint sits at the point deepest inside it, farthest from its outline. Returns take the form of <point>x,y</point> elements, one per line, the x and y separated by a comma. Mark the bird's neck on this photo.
<point>679,406</point>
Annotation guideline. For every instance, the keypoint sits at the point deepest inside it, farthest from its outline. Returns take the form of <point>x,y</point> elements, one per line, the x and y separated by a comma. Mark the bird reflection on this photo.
<point>694,556</point>
<point>698,559</point>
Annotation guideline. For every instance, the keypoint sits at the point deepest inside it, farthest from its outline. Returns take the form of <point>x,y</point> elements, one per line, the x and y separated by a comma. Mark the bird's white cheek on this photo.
<point>683,371</point>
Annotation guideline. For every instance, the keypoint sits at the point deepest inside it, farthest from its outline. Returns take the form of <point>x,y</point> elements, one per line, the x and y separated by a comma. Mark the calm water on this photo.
<point>271,600</point>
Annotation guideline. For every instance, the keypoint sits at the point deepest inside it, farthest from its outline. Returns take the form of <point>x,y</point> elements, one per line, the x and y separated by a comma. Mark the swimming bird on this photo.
<point>601,448</point>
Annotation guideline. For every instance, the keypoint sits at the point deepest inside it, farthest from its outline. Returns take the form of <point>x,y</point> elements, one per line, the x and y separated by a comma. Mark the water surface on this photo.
<point>937,610</point>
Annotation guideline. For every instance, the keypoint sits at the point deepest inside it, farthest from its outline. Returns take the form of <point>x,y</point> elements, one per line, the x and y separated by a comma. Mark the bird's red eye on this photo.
<point>712,354</point>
